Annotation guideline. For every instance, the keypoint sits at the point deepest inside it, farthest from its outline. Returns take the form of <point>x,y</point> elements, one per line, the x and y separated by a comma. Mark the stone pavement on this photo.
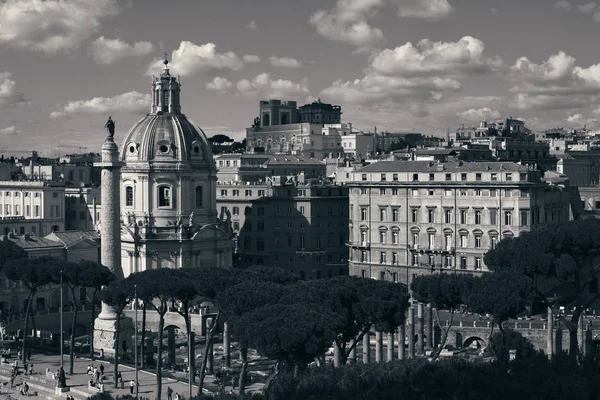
<point>79,381</point>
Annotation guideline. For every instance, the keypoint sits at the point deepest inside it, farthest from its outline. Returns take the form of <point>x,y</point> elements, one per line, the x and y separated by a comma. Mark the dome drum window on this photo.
<point>165,199</point>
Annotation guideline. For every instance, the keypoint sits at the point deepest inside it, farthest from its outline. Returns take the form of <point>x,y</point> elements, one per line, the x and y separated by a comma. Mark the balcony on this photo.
<point>360,245</point>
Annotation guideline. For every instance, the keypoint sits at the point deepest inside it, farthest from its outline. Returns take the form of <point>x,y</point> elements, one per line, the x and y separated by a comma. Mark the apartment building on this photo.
<point>31,207</point>
<point>415,217</point>
<point>289,223</point>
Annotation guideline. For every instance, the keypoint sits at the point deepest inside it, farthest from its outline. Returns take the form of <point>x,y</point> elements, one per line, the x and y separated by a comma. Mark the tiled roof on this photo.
<point>68,238</point>
<point>434,152</point>
<point>34,242</point>
<point>428,166</point>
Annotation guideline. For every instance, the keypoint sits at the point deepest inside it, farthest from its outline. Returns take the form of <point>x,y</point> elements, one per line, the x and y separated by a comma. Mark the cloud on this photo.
<point>9,95</point>
<point>191,58</point>
<point>579,119</point>
<point>286,62</point>
<point>347,23</point>
<point>219,85</point>
<point>127,102</point>
<point>554,84</point>
<point>565,5</point>
<point>251,58</point>
<point>419,110</point>
<point>262,85</point>
<point>60,115</point>
<point>373,89</point>
<point>11,130</point>
<point>494,10</point>
<point>51,27</point>
<point>434,58</point>
<point>587,8</point>
<point>108,51</point>
<point>479,114</point>
<point>426,9</point>
<point>252,25</point>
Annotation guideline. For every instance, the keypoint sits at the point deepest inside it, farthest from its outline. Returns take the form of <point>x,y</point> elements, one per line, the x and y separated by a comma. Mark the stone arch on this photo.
<point>472,339</point>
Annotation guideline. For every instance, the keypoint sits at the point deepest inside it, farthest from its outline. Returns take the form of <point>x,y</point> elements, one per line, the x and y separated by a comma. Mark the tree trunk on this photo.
<point>273,375</point>
<point>143,344</point>
<point>573,340</point>
<point>502,341</point>
<point>490,347</point>
<point>191,364</point>
<point>436,352</point>
<point>243,370</point>
<point>159,351</point>
<point>93,324</point>
<point>72,343</point>
<point>33,323</point>
<point>116,360</point>
<point>26,326</point>
<point>209,339</point>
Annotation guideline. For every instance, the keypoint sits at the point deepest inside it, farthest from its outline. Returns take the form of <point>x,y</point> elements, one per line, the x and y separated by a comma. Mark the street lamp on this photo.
<point>61,322</point>
<point>136,342</point>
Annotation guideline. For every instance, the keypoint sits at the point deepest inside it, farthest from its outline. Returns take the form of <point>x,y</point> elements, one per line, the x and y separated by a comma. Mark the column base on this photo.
<point>105,332</point>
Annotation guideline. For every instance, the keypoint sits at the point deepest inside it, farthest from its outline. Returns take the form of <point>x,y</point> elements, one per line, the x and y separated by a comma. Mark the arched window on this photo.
<point>164,196</point>
<point>128,196</point>
<point>165,103</point>
<point>199,200</point>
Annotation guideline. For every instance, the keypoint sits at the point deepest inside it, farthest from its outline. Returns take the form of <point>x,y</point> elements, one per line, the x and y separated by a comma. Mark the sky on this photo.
<point>400,65</point>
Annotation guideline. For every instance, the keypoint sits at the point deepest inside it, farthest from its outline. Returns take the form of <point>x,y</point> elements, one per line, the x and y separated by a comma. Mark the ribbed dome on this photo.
<point>165,137</point>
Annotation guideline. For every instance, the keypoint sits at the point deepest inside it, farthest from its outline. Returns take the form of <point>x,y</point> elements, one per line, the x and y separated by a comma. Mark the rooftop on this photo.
<point>428,166</point>
<point>68,238</point>
<point>29,241</point>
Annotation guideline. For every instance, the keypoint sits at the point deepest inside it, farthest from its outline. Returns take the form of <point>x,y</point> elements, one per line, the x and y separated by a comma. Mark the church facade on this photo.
<point>168,190</point>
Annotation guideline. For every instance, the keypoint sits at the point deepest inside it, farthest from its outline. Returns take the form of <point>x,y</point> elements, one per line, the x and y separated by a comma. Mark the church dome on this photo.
<point>165,134</point>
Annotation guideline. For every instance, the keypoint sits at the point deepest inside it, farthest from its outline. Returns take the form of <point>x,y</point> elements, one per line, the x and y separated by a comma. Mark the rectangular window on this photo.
<point>415,260</point>
<point>382,258</point>
<point>383,177</point>
<point>395,214</point>
<point>431,240</point>
<point>448,241</point>
<point>448,177</point>
<point>382,214</point>
<point>464,241</point>
<point>447,192</point>
<point>414,214</point>
<point>432,177</point>
<point>507,217</point>
<point>302,210</point>
<point>128,196</point>
<point>524,217</point>
<point>382,237</point>
<point>395,258</point>
<point>493,193</point>
<point>494,176</point>
<point>363,190</point>
<point>509,177</point>
<point>463,262</point>
<point>395,237</point>
<point>364,177</point>
<point>493,216</point>
<point>27,210</point>
<point>477,262</point>
<point>477,217</point>
<point>478,176</point>
<point>164,196</point>
<point>415,177</point>
<point>363,213</point>
<point>36,211</point>
<point>415,192</point>
<point>394,192</point>
<point>493,242</point>
<point>395,177</point>
<point>477,241</point>
<point>199,197</point>
<point>223,192</point>
<point>415,239</point>
<point>448,216</point>
<point>363,256</point>
<point>431,216</point>
<point>463,216</point>
<point>463,177</point>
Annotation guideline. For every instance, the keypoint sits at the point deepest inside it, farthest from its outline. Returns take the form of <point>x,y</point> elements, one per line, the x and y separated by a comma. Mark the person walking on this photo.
<point>131,386</point>
<point>169,393</point>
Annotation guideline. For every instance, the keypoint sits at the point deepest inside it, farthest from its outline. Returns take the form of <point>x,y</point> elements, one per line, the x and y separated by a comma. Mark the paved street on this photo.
<point>80,379</point>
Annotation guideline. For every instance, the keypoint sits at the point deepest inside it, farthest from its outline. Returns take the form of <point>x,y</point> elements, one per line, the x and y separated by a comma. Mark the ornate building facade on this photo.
<point>168,186</point>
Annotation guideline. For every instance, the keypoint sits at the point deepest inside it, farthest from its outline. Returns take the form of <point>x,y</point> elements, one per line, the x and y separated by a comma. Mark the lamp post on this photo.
<point>61,322</point>
<point>136,342</point>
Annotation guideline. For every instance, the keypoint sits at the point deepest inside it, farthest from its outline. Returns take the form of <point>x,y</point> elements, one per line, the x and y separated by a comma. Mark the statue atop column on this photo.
<point>110,127</point>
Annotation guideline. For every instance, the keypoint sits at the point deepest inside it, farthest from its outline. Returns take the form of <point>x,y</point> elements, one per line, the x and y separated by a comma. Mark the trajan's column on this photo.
<point>110,244</point>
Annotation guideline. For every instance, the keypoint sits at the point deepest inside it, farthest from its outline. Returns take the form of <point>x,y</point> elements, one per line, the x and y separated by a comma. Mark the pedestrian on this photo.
<point>30,369</point>
<point>177,396</point>
<point>102,369</point>
<point>131,386</point>
<point>19,355</point>
<point>29,355</point>
<point>169,393</point>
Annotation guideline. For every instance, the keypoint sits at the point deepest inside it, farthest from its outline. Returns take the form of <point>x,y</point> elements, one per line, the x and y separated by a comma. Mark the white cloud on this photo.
<point>554,84</point>
<point>433,58</point>
<point>347,23</point>
<point>127,102</point>
<point>60,115</point>
<point>587,8</point>
<point>251,58</point>
<point>494,10</point>
<point>108,51</point>
<point>51,26</point>
<point>479,114</point>
<point>9,95</point>
<point>252,25</point>
<point>373,89</point>
<point>219,85</point>
<point>262,85</point>
<point>11,130</point>
<point>426,9</point>
<point>565,5</point>
<point>191,58</point>
<point>419,110</point>
<point>287,62</point>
